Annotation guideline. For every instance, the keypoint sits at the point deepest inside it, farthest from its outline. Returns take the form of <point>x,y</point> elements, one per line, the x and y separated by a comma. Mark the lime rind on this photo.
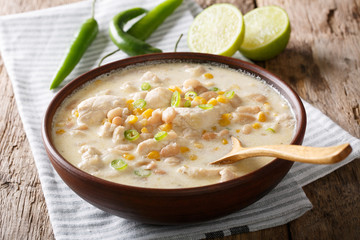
<point>219,29</point>
<point>267,33</point>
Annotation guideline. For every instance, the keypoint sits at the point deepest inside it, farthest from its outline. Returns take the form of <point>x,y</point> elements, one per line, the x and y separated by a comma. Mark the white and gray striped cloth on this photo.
<point>32,45</point>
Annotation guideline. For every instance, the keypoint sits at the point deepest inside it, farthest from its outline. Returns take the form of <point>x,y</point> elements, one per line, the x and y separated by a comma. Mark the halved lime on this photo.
<point>267,33</point>
<point>219,29</point>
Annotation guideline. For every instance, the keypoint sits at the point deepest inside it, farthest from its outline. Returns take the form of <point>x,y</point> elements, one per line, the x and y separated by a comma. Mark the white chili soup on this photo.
<point>160,125</point>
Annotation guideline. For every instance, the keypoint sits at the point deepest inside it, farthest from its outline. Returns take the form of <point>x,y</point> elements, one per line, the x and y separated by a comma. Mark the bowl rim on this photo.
<point>292,97</point>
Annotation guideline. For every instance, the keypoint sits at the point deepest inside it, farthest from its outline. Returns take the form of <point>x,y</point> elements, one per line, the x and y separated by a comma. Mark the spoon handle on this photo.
<point>315,155</point>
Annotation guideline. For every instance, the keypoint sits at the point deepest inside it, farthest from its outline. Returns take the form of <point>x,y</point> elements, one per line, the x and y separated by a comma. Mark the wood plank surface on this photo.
<point>321,63</point>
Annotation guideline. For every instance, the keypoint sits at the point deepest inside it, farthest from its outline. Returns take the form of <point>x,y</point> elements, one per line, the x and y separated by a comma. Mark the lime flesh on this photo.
<point>218,29</point>
<point>267,32</point>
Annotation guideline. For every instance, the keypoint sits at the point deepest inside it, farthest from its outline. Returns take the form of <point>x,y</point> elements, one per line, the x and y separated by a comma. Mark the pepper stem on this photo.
<point>93,9</point>
<point>177,42</point>
<point>107,55</point>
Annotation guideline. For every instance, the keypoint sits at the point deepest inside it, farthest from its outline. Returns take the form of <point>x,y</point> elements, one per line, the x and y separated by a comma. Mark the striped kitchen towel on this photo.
<point>32,45</point>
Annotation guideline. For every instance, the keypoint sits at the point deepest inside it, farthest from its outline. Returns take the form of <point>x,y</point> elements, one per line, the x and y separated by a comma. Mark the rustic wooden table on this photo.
<point>321,62</point>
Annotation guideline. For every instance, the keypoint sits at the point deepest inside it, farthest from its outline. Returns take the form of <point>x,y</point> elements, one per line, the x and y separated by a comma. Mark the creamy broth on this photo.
<point>160,125</point>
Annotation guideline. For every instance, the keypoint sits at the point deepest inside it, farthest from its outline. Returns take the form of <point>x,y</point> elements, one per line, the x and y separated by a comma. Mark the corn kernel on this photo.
<point>138,111</point>
<point>175,88</point>
<point>256,125</point>
<point>224,141</point>
<point>212,101</point>
<point>216,148</point>
<point>60,131</point>
<point>165,127</point>
<point>221,92</point>
<point>224,122</point>
<point>193,157</point>
<point>147,113</point>
<point>198,145</point>
<point>154,155</point>
<point>144,130</point>
<point>128,156</point>
<point>225,119</point>
<point>130,104</point>
<point>267,106</point>
<point>199,99</point>
<point>132,119</point>
<point>97,82</point>
<point>208,75</point>
<point>261,117</point>
<point>60,124</point>
<point>75,113</point>
<point>184,149</point>
<point>237,130</point>
<point>222,99</point>
<point>214,128</point>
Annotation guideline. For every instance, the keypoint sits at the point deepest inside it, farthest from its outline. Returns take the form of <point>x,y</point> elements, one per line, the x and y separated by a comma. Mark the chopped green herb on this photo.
<point>131,134</point>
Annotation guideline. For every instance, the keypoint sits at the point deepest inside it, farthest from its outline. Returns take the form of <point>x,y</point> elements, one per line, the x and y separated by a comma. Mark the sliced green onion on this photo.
<point>142,172</point>
<point>187,103</point>
<point>229,94</point>
<point>175,99</point>
<point>118,164</point>
<point>160,135</point>
<point>190,95</point>
<point>140,103</point>
<point>145,86</point>
<point>131,134</point>
<point>206,106</point>
<point>215,89</point>
<point>271,130</point>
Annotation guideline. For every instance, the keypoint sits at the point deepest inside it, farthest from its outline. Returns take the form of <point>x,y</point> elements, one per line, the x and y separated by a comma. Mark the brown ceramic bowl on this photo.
<point>173,206</point>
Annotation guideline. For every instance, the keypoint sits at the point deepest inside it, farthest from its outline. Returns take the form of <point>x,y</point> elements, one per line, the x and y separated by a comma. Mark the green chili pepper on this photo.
<point>190,95</point>
<point>206,106</point>
<point>153,19</point>
<point>160,135</point>
<point>175,99</point>
<point>187,103</point>
<point>131,134</point>
<point>145,86</point>
<point>142,172</point>
<point>126,42</point>
<point>83,39</point>
<point>230,94</point>
<point>140,103</point>
<point>118,164</point>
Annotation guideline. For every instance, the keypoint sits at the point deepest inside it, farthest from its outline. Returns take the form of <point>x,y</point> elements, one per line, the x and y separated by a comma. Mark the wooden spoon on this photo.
<point>315,155</point>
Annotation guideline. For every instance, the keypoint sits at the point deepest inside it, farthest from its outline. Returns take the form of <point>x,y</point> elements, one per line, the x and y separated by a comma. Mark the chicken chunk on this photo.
<point>93,110</point>
<point>150,77</point>
<point>198,172</point>
<point>158,98</point>
<point>90,159</point>
<point>118,135</point>
<point>197,118</point>
<point>227,174</point>
<point>106,130</point>
<point>150,145</point>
